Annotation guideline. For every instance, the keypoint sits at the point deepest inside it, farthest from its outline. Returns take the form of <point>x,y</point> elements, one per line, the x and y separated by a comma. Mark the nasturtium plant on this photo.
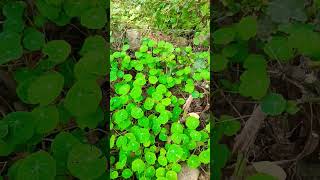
<point>150,139</point>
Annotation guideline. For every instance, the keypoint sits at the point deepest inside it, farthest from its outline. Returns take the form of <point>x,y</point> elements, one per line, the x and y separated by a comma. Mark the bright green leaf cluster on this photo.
<point>147,110</point>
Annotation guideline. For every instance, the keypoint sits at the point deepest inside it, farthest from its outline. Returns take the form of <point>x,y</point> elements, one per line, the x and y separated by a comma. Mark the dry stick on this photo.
<point>3,167</point>
<point>186,107</point>
<point>248,134</point>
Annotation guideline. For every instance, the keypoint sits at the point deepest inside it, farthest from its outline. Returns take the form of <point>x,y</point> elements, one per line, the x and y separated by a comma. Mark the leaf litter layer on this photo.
<point>266,89</point>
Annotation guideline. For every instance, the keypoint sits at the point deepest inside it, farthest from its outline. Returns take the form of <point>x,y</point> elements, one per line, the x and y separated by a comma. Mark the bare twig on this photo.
<point>248,134</point>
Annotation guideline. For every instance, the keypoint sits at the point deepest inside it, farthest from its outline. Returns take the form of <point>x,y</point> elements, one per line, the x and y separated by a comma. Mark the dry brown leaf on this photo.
<point>270,168</point>
<point>188,174</point>
<point>248,134</point>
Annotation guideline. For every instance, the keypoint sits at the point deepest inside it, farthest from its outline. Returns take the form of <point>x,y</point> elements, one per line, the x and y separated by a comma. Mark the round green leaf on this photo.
<point>85,92</point>
<point>193,161</point>
<point>47,10</point>
<point>21,127</point>
<point>39,165</point>
<point>204,156</point>
<point>162,160</point>
<point>46,118</point>
<point>75,8</point>
<point>273,104</point>
<point>93,43</point>
<point>14,9</point>
<point>220,63</point>
<point>91,120</point>
<point>124,89</point>
<point>135,92</point>
<point>62,145</point>
<point>174,153</point>
<point>148,104</point>
<point>57,50</point>
<point>10,47</point>
<point>137,112</point>
<point>126,173</point>
<point>192,122</point>
<point>94,18</point>
<point>33,40</point>
<point>45,88</point>
<point>86,162</point>
<point>223,35</point>
<point>114,174</point>
<point>278,48</point>
<point>247,27</point>
<point>138,166</point>
<point>150,157</point>
<point>91,65</point>
<point>153,79</point>
<point>171,175</point>
<point>120,116</point>
<point>176,128</point>
<point>150,171</point>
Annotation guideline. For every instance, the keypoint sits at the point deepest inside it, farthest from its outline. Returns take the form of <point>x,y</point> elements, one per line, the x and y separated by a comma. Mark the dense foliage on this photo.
<point>254,42</point>
<point>152,133</point>
<point>59,85</point>
<point>173,17</point>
